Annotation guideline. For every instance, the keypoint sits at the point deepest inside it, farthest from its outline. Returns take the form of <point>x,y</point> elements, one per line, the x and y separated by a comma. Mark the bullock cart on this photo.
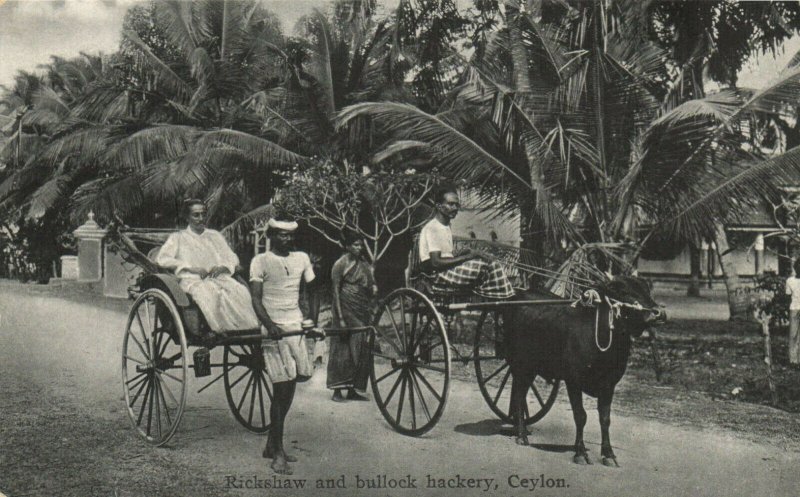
<point>420,334</point>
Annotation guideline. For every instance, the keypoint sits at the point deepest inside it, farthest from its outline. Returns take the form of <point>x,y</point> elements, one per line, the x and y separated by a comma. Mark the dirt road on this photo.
<point>64,431</point>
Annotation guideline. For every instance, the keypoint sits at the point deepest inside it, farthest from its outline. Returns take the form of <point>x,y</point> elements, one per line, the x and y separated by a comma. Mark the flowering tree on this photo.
<point>379,206</point>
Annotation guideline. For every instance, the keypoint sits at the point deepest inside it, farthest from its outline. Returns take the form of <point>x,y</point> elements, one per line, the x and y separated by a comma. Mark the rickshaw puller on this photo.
<point>275,283</point>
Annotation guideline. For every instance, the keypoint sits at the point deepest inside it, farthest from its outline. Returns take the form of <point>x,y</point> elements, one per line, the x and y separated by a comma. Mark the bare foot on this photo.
<point>280,465</point>
<point>267,454</point>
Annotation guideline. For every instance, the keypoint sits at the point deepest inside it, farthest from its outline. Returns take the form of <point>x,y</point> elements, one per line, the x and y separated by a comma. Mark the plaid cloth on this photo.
<point>487,279</point>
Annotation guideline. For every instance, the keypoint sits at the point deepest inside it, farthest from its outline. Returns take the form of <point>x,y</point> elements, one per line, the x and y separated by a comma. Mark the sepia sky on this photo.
<point>32,30</point>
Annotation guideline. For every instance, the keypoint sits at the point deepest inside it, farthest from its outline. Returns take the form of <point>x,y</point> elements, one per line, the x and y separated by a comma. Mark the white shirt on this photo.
<point>435,237</point>
<point>793,289</point>
<point>186,248</point>
<point>280,277</point>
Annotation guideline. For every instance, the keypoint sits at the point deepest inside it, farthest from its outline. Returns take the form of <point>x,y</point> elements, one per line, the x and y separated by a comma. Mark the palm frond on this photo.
<point>176,17</point>
<point>47,195</point>
<point>459,156</point>
<point>164,72</point>
<point>107,197</point>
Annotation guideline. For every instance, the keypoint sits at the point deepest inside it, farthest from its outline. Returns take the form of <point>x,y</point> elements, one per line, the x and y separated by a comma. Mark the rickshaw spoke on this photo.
<point>391,343</point>
<point>394,389</point>
<point>406,342</point>
<point>157,400</point>
<point>430,387</point>
<point>157,335</point>
<point>221,375</point>
<point>410,385</point>
<point>135,360</point>
<point>168,375</point>
<point>263,376</point>
<point>414,319</point>
<point>147,313</point>
<point>430,348</point>
<point>393,371</point>
<point>139,344</point>
<point>167,339</point>
<point>417,337</point>
<point>166,387</point>
<point>261,400</point>
<point>502,386</point>
<point>150,410</point>
<point>239,379</point>
<point>394,327</point>
<point>538,396</point>
<point>421,397</point>
<point>402,396</point>
<point>138,392</point>
<point>135,378</point>
<point>164,401</point>
<point>244,394</point>
<point>141,328</point>
<point>144,404</point>
<point>253,398</point>
<point>505,365</point>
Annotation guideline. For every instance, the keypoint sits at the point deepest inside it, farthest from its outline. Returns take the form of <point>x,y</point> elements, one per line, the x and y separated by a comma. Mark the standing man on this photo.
<point>793,289</point>
<point>468,269</point>
<point>275,283</point>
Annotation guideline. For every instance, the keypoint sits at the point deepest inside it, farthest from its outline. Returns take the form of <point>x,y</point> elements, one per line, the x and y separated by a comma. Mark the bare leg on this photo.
<point>604,411</point>
<point>283,395</point>
<point>518,393</point>
<point>579,415</point>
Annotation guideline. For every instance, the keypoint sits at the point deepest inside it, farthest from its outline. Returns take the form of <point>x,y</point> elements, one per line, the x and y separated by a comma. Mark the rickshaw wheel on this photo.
<point>410,372</point>
<point>155,366</point>
<point>494,377</point>
<point>247,386</point>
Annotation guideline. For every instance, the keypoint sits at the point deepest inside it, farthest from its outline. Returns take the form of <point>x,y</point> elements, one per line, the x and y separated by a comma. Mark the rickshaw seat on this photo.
<point>170,283</point>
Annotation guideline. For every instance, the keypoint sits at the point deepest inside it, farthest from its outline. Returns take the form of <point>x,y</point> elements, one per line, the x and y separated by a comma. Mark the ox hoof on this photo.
<point>582,459</point>
<point>522,441</point>
<point>611,462</point>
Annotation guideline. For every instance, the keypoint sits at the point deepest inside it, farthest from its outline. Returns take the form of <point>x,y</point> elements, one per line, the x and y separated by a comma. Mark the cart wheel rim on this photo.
<point>247,386</point>
<point>155,367</point>
<point>410,370</point>
<point>494,377</point>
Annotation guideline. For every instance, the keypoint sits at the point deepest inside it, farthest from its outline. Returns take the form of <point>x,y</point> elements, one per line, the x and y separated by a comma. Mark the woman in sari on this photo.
<point>354,293</point>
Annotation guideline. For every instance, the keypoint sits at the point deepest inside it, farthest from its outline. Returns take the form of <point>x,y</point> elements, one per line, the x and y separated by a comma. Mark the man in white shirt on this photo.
<point>468,269</point>
<point>204,263</point>
<point>793,289</point>
<point>275,283</point>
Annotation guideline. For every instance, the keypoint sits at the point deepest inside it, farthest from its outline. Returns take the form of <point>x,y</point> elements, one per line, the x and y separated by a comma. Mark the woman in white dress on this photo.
<point>204,263</point>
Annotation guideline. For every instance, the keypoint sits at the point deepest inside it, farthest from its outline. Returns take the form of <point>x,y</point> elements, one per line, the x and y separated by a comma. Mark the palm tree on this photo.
<point>576,111</point>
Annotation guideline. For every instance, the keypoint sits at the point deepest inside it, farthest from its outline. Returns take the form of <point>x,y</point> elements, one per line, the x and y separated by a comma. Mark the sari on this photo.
<point>348,362</point>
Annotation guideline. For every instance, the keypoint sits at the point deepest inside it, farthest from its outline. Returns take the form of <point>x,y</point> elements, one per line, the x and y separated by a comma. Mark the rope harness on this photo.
<point>591,298</point>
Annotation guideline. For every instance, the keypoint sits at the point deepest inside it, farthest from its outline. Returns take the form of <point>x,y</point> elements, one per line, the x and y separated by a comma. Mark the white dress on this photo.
<point>226,303</point>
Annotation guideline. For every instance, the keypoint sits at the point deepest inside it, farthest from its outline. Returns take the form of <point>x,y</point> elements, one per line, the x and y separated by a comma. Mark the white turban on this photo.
<point>282,225</point>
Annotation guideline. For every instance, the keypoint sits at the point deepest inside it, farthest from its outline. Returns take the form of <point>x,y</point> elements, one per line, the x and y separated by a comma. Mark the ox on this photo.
<point>586,346</point>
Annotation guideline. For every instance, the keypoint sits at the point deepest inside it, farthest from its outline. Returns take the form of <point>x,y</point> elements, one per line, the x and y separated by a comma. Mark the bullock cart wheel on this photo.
<point>155,366</point>
<point>410,373</point>
<point>247,386</point>
<point>494,375</point>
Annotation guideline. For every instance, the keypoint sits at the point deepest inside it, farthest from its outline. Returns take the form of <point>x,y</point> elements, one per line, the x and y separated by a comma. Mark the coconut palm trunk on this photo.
<point>737,303</point>
<point>694,268</point>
